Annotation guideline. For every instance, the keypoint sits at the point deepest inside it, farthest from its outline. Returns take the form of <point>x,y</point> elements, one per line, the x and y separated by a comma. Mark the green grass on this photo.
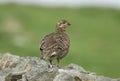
<point>94,33</point>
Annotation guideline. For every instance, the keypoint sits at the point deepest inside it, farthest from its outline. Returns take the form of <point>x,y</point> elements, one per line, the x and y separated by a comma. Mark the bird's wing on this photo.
<point>47,42</point>
<point>62,41</point>
<point>55,40</point>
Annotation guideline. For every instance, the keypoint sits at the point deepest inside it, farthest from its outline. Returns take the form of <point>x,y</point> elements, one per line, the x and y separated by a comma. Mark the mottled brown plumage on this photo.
<point>56,45</point>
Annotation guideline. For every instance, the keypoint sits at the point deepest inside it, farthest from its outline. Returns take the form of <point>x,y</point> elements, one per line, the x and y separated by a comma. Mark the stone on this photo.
<point>16,68</point>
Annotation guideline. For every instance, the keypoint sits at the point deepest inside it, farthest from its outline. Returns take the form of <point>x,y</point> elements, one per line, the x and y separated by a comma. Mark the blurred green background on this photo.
<point>94,33</point>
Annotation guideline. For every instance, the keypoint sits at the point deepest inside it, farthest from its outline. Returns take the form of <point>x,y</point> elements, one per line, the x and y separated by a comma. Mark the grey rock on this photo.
<point>16,68</point>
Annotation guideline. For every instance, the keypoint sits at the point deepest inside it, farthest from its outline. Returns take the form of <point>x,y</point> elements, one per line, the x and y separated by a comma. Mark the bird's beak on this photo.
<point>69,24</point>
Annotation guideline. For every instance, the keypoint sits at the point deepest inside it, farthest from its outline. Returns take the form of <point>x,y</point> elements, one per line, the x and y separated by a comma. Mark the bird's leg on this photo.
<point>50,64</point>
<point>58,60</point>
<point>42,57</point>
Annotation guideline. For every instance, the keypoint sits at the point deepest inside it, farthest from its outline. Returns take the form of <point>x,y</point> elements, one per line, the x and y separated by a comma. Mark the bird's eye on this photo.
<point>64,22</point>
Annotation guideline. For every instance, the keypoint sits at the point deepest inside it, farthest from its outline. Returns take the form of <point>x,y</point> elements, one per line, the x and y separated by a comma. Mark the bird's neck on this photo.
<point>59,30</point>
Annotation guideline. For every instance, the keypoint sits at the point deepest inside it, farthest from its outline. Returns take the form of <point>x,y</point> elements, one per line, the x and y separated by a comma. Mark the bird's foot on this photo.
<point>50,68</point>
<point>58,66</point>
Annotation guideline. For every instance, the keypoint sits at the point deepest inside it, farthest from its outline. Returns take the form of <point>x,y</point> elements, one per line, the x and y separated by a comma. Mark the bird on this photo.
<point>56,44</point>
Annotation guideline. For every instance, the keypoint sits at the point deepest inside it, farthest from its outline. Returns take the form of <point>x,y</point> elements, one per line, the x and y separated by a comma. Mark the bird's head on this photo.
<point>62,24</point>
